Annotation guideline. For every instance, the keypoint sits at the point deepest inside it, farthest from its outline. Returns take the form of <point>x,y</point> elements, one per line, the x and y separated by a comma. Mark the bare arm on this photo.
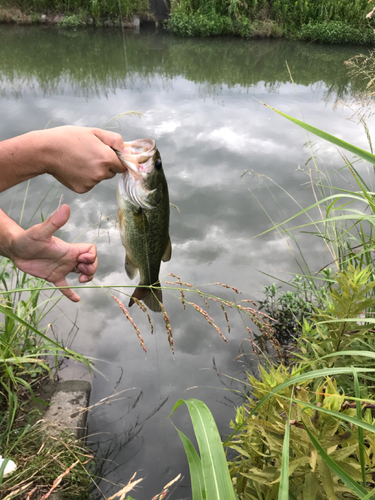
<point>78,157</point>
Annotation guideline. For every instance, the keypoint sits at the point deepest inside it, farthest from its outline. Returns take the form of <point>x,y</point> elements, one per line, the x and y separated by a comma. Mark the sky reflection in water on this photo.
<point>200,100</point>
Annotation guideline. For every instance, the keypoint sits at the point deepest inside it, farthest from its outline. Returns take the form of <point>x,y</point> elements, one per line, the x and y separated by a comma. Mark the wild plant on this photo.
<point>290,308</point>
<point>296,442</point>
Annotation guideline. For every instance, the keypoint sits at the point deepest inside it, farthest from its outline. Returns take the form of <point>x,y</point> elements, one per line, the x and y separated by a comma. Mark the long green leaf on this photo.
<point>356,488</point>
<point>365,155</point>
<point>67,352</point>
<point>215,471</point>
<point>284,476</point>
<point>195,467</point>
<point>361,442</point>
<point>342,416</point>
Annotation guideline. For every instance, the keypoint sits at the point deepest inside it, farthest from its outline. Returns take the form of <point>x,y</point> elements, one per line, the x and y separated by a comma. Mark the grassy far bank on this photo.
<point>73,13</point>
<point>328,21</point>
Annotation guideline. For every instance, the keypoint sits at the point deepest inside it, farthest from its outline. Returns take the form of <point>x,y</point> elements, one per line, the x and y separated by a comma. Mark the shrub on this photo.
<point>337,32</point>
<point>72,21</point>
<point>198,24</point>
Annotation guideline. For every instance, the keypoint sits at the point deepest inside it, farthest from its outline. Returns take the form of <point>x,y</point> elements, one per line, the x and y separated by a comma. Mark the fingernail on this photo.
<point>83,260</point>
<point>83,269</point>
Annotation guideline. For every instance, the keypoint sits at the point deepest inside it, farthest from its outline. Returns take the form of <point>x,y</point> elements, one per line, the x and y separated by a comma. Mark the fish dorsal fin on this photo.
<point>130,268</point>
<point>168,251</point>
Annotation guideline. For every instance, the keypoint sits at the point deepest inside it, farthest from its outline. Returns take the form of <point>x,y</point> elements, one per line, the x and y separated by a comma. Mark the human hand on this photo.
<point>37,252</point>
<point>81,157</point>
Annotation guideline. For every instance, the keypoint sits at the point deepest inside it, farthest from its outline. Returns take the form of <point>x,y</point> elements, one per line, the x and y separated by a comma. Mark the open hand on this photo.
<point>37,252</point>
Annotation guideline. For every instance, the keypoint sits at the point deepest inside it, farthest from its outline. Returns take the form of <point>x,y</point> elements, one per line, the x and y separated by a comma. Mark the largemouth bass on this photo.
<point>143,211</point>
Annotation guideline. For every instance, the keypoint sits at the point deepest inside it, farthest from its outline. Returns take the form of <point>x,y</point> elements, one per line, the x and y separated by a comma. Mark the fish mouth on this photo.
<point>137,156</point>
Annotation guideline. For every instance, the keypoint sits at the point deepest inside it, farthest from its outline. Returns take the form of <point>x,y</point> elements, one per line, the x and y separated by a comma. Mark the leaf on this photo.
<point>217,481</point>
<point>365,155</point>
<point>284,475</point>
<point>361,442</point>
<point>326,460</point>
<point>195,467</point>
<point>310,486</point>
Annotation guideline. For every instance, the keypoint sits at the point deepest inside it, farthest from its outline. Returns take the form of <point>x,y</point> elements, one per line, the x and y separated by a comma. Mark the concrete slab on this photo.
<point>67,409</point>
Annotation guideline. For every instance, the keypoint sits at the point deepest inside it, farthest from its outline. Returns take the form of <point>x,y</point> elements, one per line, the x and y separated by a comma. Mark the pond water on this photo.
<point>202,102</point>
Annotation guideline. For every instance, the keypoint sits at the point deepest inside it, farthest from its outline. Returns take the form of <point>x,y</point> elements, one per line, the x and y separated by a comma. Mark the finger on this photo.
<point>88,257</point>
<point>68,292</point>
<point>84,278</point>
<point>57,220</point>
<point>111,139</point>
<point>89,270</point>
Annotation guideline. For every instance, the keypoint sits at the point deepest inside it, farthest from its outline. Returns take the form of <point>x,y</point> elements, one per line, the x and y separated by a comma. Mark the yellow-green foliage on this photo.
<point>338,328</point>
<point>259,444</point>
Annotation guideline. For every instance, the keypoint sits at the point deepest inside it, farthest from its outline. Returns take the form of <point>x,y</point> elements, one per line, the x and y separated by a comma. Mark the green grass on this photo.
<point>326,21</point>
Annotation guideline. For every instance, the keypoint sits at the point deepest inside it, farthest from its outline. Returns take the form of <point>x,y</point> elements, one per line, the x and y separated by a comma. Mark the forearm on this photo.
<point>22,158</point>
<point>9,231</point>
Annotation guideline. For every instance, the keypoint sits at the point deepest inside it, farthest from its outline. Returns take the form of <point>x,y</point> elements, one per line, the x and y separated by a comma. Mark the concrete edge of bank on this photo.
<point>67,412</point>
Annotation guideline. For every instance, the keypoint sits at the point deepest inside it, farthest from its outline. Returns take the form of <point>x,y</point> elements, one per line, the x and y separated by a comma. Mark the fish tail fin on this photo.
<point>150,296</point>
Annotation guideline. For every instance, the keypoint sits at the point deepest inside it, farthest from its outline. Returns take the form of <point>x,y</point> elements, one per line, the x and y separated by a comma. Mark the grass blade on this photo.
<point>195,467</point>
<point>217,481</point>
<point>361,443</point>
<point>284,476</point>
<point>365,155</point>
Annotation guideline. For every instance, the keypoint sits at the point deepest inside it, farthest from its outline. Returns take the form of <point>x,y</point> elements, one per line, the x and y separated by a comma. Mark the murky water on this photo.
<point>202,102</point>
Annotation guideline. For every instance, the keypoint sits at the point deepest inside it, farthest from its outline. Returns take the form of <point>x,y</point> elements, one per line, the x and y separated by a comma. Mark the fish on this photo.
<point>143,214</point>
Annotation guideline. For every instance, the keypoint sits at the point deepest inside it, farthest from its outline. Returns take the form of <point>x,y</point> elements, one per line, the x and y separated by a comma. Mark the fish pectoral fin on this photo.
<point>168,251</point>
<point>137,210</point>
<point>130,268</point>
<point>150,296</point>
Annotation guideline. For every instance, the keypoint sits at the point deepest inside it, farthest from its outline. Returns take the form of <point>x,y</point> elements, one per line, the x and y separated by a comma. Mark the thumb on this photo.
<point>111,139</point>
<point>57,220</point>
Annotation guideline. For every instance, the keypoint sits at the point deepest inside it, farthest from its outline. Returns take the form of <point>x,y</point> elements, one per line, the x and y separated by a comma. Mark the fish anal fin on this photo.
<point>168,251</point>
<point>149,296</point>
<point>130,268</point>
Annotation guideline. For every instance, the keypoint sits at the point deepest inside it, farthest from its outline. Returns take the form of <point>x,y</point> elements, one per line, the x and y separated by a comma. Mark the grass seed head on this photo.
<point>129,318</point>
<point>226,316</point>
<point>228,286</point>
<point>168,327</point>
<point>208,319</point>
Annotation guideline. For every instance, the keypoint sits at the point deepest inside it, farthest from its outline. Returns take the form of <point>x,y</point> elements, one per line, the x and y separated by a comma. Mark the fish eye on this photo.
<point>158,164</point>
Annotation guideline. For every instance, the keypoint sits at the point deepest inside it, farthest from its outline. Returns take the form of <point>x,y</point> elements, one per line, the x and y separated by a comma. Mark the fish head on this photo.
<point>144,167</point>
